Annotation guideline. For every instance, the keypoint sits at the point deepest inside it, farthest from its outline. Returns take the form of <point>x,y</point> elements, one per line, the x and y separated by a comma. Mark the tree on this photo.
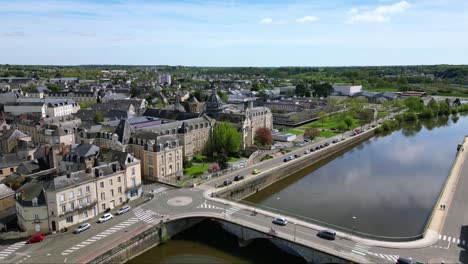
<point>226,139</point>
<point>263,136</point>
<point>414,103</point>
<point>214,167</point>
<point>135,91</point>
<point>301,89</point>
<point>311,132</point>
<point>98,118</point>
<point>322,90</point>
<point>434,106</point>
<point>348,121</point>
<point>223,96</point>
<point>53,87</point>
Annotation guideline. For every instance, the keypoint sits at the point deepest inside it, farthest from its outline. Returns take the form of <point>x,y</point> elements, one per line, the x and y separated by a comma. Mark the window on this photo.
<point>34,202</point>
<point>133,182</point>
<point>112,193</point>
<point>36,217</point>
<point>62,197</point>
<point>119,190</point>
<point>119,179</point>
<point>85,214</point>
<point>133,171</point>
<point>103,196</point>
<point>80,203</point>
<point>150,171</point>
<point>110,182</point>
<point>134,193</point>
<point>87,189</point>
<point>101,184</point>
<point>88,200</point>
<point>103,206</point>
<point>12,169</point>
<point>72,195</point>
<point>64,208</point>
<point>150,159</point>
<point>1,172</point>
<point>72,206</point>
<point>120,200</point>
<point>80,192</point>
<point>70,219</point>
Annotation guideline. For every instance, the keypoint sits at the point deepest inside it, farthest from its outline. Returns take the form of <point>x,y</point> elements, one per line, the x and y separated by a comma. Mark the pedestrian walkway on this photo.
<point>206,205</point>
<point>388,258</point>
<point>147,216</point>
<point>232,210</point>
<point>101,235</point>
<point>360,249</point>
<point>7,251</point>
<point>454,240</point>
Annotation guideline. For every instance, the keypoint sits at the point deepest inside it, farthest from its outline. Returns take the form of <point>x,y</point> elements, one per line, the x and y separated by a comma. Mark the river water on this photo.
<point>389,183</point>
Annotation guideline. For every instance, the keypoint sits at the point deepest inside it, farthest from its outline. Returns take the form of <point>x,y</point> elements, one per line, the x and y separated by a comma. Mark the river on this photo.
<point>389,184</point>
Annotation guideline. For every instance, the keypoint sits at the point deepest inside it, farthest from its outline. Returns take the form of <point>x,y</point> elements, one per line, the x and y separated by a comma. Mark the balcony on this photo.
<point>78,209</point>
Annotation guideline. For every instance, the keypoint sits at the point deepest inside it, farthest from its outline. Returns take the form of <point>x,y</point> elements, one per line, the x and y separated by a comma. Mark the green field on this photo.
<point>196,169</point>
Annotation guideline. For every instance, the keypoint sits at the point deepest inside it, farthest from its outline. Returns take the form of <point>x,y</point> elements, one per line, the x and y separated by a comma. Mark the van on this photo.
<point>327,234</point>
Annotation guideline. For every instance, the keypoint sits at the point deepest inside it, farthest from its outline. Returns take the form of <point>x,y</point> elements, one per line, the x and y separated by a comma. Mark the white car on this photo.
<point>82,228</point>
<point>105,217</point>
<point>280,221</point>
<point>124,209</point>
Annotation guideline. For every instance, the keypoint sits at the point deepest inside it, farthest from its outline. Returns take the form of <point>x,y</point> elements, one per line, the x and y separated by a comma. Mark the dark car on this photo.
<point>326,144</point>
<point>239,177</point>
<point>285,160</point>
<point>327,234</point>
<point>317,148</point>
<point>404,261</point>
<point>226,183</point>
<point>312,149</point>
<point>321,146</point>
<point>296,156</point>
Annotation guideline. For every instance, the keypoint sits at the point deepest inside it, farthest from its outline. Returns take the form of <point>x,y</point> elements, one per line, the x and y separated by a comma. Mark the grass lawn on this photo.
<point>329,122</point>
<point>381,114</point>
<point>294,131</point>
<point>196,168</point>
<point>328,134</point>
<point>233,159</point>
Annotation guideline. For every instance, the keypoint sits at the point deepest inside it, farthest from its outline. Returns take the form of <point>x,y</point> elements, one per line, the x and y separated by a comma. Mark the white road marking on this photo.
<point>444,238</point>
<point>454,240</point>
<point>458,241</point>
<point>358,252</point>
<point>440,236</point>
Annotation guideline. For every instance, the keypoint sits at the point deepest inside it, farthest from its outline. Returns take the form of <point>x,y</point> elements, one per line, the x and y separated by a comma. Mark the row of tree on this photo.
<point>314,89</point>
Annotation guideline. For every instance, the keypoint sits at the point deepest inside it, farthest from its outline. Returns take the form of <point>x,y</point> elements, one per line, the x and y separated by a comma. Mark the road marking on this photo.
<point>458,241</point>
<point>358,252</point>
<point>454,240</point>
<point>444,238</point>
<point>440,236</point>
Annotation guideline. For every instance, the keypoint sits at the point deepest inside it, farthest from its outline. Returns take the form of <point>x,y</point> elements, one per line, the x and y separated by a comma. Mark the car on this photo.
<point>124,209</point>
<point>82,227</point>
<point>404,261</point>
<point>239,177</point>
<point>105,218</point>
<point>326,144</point>
<point>306,140</point>
<point>285,160</point>
<point>35,239</point>
<point>227,182</point>
<point>317,148</point>
<point>327,234</point>
<point>373,125</point>
<point>335,141</point>
<point>321,146</point>
<point>306,152</point>
<point>256,171</point>
<point>280,221</point>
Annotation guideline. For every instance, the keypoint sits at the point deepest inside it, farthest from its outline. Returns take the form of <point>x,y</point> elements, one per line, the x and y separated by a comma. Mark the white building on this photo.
<point>42,107</point>
<point>347,89</point>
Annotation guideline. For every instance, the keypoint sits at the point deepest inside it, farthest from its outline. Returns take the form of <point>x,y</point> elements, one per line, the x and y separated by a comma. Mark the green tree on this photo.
<point>53,87</point>
<point>223,96</point>
<point>434,106</point>
<point>348,121</point>
<point>226,139</point>
<point>311,132</point>
<point>98,118</point>
<point>414,104</point>
<point>301,89</point>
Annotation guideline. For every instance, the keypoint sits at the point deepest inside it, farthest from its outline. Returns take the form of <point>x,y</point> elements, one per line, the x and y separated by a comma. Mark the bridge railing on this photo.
<point>350,231</point>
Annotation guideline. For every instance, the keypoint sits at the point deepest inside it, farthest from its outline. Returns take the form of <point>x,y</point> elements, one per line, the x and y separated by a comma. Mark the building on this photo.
<point>7,198</point>
<point>31,208</point>
<point>165,78</point>
<point>81,157</point>
<point>42,107</point>
<point>347,90</point>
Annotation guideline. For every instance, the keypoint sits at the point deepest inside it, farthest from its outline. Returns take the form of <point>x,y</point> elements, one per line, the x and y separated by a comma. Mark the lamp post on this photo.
<point>354,224</point>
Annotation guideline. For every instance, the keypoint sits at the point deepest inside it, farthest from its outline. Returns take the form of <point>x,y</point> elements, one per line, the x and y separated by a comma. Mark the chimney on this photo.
<point>68,175</point>
<point>88,170</point>
<point>114,167</point>
<point>96,173</point>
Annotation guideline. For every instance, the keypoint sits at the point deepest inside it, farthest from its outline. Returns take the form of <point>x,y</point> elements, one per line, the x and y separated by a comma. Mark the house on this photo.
<point>31,208</point>
<point>7,198</point>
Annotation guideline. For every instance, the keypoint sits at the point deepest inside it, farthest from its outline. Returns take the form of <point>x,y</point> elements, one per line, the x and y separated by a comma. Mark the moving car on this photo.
<point>82,228</point>
<point>280,221</point>
<point>227,182</point>
<point>256,171</point>
<point>327,234</point>
<point>105,218</point>
<point>35,238</point>
<point>239,177</point>
<point>404,261</point>
<point>124,209</point>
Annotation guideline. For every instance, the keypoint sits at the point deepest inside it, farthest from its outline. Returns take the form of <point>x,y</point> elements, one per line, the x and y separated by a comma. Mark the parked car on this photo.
<point>326,144</point>
<point>239,177</point>
<point>124,209</point>
<point>227,182</point>
<point>306,140</point>
<point>280,221</point>
<point>81,228</point>
<point>335,141</point>
<point>317,148</point>
<point>311,149</point>
<point>306,152</point>
<point>256,171</point>
<point>321,146</point>
<point>105,218</point>
<point>285,160</point>
<point>35,239</point>
<point>327,234</point>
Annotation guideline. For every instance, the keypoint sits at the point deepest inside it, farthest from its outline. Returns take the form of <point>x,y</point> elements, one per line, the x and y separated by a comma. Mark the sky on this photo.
<point>234,33</point>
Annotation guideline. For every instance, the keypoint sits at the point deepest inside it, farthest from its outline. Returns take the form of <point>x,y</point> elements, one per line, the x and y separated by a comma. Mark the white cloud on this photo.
<point>307,19</point>
<point>266,21</point>
<point>380,14</point>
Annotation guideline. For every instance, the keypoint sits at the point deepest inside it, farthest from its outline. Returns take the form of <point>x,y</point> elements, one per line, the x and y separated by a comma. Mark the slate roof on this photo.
<point>29,167</point>
<point>85,150</point>
<point>123,131</point>
<point>168,114</point>
<point>13,134</point>
<point>29,191</point>
<point>5,191</point>
<point>64,182</point>
<point>9,160</point>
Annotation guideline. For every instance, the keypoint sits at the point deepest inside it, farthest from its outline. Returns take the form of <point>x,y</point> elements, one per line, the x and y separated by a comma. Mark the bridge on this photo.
<point>175,209</point>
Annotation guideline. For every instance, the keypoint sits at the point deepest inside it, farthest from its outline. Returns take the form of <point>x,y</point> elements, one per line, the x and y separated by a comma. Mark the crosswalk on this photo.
<point>232,210</point>
<point>455,240</point>
<point>360,249</point>
<point>147,216</point>
<point>391,258</point>
<point>7,251</point>
<point>101,235</point>
<point>206,205</point>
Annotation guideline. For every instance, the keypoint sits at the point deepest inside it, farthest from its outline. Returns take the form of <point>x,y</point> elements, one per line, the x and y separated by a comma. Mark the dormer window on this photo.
<point>34,202</point>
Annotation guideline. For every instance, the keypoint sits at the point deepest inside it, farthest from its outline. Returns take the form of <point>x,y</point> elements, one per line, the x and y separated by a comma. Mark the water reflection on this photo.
<point>390,183</point>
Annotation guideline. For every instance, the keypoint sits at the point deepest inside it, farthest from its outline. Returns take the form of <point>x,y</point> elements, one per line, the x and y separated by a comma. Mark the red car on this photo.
<point>36,238</point>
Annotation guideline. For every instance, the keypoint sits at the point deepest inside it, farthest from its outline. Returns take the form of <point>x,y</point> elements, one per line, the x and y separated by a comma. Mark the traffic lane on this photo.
<point>50,250</point>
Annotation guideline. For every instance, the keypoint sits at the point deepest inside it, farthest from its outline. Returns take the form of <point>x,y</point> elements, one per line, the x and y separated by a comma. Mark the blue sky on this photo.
<point>234,33</point>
